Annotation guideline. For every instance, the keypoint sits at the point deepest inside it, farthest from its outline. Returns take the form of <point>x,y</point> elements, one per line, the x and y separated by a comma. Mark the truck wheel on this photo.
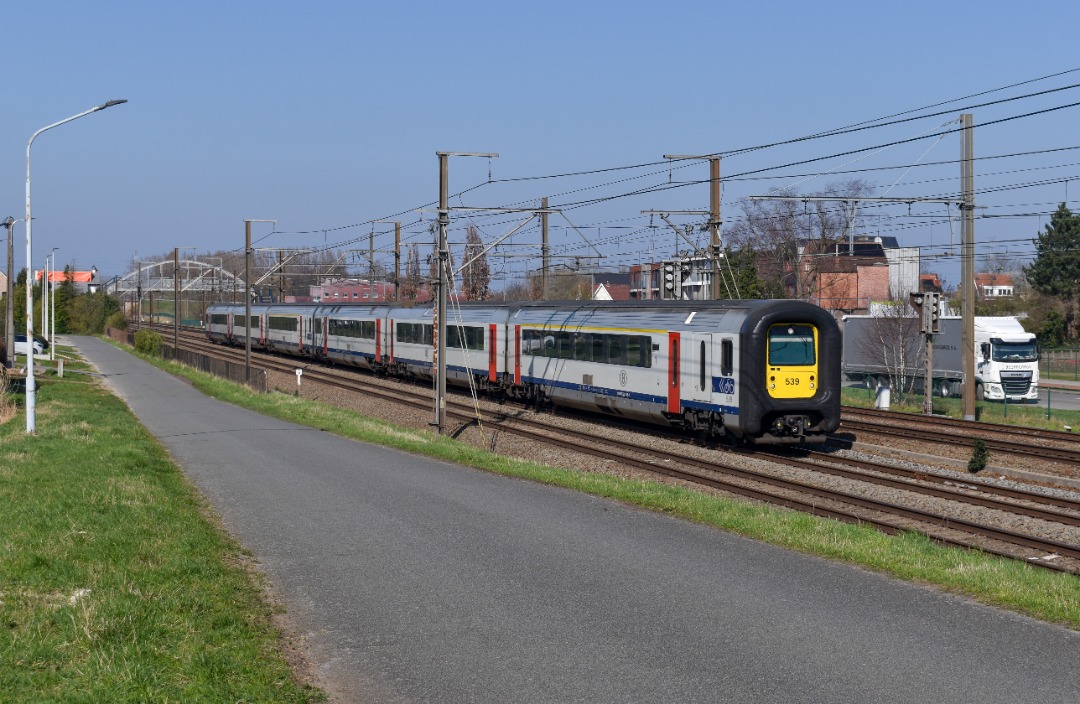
<point>979,393</point>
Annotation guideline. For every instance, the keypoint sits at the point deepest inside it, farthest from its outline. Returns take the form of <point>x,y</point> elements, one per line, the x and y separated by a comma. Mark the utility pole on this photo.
<point>443,277</point>
<point>247,297</point>
<point>714,224</point>
<point>544,249</point>
<point>967,262</point>
<point>397,261</point>
<point>138,295</point>
<point>176,298</point>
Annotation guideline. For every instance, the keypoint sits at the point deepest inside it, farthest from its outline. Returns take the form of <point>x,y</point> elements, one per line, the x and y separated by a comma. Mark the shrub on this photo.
<point>979,456</point>
<point>147,342</point>
<point>116,320</point>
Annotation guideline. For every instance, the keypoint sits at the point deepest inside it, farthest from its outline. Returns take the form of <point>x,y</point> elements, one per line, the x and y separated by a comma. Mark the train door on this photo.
<point>378,340</point>
<point>517,354</point>
<point>674,400</point>
<point>493,341</point>
<point>697,368</point>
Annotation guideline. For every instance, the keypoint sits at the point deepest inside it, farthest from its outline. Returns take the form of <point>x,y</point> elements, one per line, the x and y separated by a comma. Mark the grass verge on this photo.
<point>114,585</point>
<point>1018,414</point>
<point>1009,584</point>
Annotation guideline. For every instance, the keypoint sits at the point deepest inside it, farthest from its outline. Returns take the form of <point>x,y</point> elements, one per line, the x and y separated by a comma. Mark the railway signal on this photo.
<point>672,284</point>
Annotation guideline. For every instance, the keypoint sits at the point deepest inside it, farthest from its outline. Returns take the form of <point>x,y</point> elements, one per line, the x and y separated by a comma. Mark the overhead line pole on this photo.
<point>443,270</point>
<point>967,262</point>
<point>545,254</point>
<point>247,297</point>
<point>714,217</point>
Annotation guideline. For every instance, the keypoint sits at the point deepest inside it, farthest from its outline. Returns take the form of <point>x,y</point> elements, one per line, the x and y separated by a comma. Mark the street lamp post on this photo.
<point>31,388</point>
<point>52,305</point>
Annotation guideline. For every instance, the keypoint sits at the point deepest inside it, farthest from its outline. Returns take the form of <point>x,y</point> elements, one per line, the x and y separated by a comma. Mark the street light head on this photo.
<point>110,104</point>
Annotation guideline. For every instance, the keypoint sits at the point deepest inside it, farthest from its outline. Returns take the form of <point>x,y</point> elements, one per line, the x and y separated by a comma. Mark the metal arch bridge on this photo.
<point>195,275</point>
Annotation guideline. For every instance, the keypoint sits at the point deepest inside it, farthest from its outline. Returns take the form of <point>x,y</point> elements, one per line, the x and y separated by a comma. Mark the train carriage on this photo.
<point>351,334</point>
<point>225,323</point>
<point>476,345</point>
<point>763,371</point>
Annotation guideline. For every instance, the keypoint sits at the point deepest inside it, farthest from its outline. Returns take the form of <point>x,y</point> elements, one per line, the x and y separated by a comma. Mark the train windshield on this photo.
<point>1015,351</point>
<point>791,345</point>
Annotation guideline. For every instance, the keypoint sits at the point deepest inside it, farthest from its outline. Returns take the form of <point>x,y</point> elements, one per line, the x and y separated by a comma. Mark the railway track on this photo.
<point>1057,446</point>
<point>726,472</point>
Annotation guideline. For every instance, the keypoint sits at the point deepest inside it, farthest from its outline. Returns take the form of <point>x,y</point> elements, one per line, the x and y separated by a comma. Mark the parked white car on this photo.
<point>21,347</point>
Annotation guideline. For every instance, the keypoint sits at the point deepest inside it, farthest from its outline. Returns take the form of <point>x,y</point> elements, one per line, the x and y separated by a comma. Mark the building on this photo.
<point>988,286</point>
<point>352,291</point>
<point>85,281</point>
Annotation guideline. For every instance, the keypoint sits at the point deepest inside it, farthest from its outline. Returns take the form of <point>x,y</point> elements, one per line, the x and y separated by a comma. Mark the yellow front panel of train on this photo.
<point>792,361</point>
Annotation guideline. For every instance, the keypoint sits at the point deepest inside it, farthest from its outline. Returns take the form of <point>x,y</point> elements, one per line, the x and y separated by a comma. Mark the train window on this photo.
<point>565,342</point>
<point>617,349</point>
<point>414,333</point>
<point>791,345</point>
<point>363,329</point>
<point>626,350</point>
<point>701,374</point>
<point>674,364</point>
<point>238,321</point>
<point>639,351</point>
<point>598,354</point>
<point>727,358</point>
<point>583,350</point>
<point>462,337</point>
<point>219,319</point>
<point>283,323</point>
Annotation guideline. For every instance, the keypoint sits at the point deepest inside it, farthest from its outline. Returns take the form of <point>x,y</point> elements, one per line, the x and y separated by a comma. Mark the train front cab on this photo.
<point>790,380</point>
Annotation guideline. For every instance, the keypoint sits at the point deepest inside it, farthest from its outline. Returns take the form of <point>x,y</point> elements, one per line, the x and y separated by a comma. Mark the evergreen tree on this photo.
<point>1055,270</point>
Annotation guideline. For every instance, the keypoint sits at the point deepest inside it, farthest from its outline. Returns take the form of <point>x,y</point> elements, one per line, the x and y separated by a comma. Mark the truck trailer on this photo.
<point>889,350</point>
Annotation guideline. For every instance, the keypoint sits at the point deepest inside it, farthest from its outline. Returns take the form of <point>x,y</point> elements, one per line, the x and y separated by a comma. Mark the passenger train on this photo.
<point>759,371</point>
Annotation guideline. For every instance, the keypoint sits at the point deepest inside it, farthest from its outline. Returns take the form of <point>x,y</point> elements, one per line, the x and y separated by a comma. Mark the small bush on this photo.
<point>979,456</point>
<point>147,342</point>
<point>116,320</point>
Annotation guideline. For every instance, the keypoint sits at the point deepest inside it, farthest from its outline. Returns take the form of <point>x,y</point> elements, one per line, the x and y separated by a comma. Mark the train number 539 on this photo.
<point>791,381</point>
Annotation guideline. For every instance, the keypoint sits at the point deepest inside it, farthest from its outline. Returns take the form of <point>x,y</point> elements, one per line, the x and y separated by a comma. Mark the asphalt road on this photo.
<point>417,580</point>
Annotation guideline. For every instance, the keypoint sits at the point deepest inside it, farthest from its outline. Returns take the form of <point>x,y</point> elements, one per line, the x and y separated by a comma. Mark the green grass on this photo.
<point>1008,584</point>
<point>1021,415</point>
<point>115,586</point>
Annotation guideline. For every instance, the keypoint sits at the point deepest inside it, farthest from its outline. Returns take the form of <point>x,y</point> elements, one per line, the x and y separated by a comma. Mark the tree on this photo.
<point>410,287</point>
<point>892,342</point>
<point>86,313</point>
<point>741,267</point>
<point>787,234</point>
<point>563,285</point>
<point>1055,270</point>
<point>476,277</point>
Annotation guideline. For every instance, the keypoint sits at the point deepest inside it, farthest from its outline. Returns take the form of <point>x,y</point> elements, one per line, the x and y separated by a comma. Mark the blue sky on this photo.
<point>326,116</point>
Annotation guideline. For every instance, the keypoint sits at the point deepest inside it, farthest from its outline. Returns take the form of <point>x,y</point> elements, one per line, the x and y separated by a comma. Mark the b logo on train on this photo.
<point>761,371</point>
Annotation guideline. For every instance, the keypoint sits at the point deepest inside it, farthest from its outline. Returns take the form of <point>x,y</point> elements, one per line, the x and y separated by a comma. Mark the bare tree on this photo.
<point>791,238</point>
<point>476,277</point>
<point>889,344</point>
<point>563,285</point>
<point>410,287</point>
